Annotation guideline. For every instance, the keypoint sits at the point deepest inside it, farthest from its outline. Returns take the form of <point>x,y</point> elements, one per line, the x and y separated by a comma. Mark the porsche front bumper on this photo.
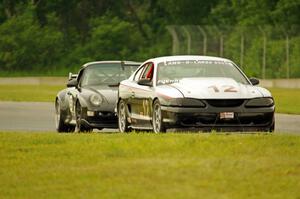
<point>100,119</point>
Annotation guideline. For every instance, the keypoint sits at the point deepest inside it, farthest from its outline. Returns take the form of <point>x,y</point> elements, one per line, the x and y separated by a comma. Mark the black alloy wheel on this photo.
<point>80,127</point>
<point>60,117</point>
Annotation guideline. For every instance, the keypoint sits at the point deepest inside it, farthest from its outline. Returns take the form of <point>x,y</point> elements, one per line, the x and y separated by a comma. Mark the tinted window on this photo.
<point>173,71</point>
<point>138,74</point>
<point>148,72</point>
<point>105,74</point>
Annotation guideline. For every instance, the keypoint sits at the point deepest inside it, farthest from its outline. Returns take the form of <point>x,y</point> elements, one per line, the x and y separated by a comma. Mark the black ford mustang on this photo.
<point>91,96</point>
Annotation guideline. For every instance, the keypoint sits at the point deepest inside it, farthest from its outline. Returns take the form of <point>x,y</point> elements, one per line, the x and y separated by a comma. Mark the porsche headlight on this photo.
<point>95,99</point>
<point>260,102</point>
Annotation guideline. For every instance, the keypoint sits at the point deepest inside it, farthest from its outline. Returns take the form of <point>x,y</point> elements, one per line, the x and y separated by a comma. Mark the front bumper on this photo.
<point>208,118</point>
<point>100,119</point>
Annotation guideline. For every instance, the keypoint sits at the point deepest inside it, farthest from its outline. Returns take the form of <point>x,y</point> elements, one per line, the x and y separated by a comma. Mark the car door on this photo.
<point>141,98</point>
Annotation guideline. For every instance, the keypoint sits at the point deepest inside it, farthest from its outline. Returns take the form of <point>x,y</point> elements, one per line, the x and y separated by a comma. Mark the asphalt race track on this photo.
<point>27,116</point>
<point>39,116</point>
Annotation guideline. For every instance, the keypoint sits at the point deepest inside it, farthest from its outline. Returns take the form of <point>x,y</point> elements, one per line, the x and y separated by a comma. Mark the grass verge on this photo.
<point>29,93</point>
<point>49,165</point>
<point>286,100</point>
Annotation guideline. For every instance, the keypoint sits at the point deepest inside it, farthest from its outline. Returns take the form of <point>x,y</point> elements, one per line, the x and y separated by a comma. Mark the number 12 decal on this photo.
<point>225,89</point>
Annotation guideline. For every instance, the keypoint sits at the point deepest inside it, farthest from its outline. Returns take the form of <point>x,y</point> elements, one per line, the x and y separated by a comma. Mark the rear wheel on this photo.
<point>157,119</point>
<point>122,118</point>
<point>80,127</point>
<point>60,118</point>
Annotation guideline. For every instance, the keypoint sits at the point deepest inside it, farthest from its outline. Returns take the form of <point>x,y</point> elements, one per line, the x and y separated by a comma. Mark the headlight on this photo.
<point>95,99</point>
<point>186,102</point>
<point>260,102</point>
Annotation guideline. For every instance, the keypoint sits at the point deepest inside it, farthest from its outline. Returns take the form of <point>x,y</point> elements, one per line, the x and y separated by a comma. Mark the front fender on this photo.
<point>62,99</point>
<point>83,100</point>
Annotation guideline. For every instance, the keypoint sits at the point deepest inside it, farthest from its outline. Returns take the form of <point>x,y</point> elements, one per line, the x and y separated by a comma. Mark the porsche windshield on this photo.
<point>106,74</point>
<point>173,71</point>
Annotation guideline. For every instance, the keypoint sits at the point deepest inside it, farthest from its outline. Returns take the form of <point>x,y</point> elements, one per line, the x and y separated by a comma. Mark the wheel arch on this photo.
<point>61,102</point>
<point>128,109</point>
<point>154,99</point>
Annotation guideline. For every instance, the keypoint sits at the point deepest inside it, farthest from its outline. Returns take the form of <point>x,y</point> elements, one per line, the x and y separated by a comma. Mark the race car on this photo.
<point>200,92</point>
<point>90,98</point>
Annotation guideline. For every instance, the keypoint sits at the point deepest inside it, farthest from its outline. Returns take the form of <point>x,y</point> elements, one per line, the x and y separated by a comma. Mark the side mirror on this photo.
<point>72,76</point>
<point>145,82</point>
<point>254,81</point>
<point>72,83</point>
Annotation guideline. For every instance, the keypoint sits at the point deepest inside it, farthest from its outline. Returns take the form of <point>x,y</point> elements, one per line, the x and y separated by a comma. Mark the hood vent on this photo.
<point>225,102</point>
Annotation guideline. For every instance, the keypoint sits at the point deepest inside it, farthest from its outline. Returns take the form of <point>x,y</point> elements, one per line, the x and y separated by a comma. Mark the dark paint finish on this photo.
<point>76,95</point>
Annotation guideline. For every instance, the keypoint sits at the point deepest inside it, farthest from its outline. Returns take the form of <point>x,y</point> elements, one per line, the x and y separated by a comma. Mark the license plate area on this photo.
<point>227,115</point>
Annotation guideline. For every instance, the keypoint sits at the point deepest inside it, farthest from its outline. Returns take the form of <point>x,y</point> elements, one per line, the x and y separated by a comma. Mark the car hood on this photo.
<point>108,94</point>
<point>217,88</point>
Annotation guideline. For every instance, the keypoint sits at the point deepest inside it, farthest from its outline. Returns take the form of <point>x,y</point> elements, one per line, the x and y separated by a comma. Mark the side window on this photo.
<point>138,73</point>
<point>148,72</point>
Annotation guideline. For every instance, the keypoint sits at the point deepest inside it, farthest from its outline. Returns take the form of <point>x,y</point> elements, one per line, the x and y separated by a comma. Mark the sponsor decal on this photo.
<point>168,81</point>
<point>226,115</point>
<point>176,62</point>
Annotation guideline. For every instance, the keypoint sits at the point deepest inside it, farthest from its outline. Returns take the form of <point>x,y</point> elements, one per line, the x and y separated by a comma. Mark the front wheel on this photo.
<point>122,118</point>
<point>79,126</point>
<point>157,119</point>
<point>272,128</point>
<point>60,117</point>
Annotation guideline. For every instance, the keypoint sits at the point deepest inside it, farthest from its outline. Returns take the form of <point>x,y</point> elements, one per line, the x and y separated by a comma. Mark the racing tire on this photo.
<point>80,127</point>
<point>60,117</point>
<point>157,118</point>
<point>122,118</point>
<point>272,127</point>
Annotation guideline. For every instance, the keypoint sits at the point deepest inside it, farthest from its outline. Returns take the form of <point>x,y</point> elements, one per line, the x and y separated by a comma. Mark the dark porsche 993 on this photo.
<point>90,98</point>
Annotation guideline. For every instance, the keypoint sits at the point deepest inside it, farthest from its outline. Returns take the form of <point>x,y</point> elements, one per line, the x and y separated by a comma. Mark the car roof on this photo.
<point>187,57</point>
<point>124,63</point>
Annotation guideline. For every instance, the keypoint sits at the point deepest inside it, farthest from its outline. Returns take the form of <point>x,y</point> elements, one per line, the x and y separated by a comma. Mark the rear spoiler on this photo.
<point>123,63</point>
<point>130,63</point>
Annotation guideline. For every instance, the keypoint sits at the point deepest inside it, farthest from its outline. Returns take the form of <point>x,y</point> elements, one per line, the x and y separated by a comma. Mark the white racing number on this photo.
<point>225,89</point>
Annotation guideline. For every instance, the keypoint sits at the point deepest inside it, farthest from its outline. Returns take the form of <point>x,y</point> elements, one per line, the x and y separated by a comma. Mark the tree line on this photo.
<point>52,37</point>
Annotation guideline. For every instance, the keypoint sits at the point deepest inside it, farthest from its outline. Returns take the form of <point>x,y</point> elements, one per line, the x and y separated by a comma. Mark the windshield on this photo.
<point>173,71</point>
<point>106,74</point>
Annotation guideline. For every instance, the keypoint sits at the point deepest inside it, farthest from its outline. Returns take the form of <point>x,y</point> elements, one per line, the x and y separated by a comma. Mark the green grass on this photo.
<point>30,93</point>
<point>147,165</point>
<point>59,71</point>
<point>286,100</point>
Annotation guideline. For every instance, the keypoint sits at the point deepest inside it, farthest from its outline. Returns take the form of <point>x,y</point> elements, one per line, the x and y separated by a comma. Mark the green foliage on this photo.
<point>187,11</point>
<point>24,45</point>
<point>111,39</point>
<point>295,58</point>
<point>49,37</point>
<point>287,12</point>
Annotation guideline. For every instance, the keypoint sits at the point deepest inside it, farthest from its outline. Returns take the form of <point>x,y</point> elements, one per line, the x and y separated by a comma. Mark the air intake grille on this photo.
<point>225,102</point>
